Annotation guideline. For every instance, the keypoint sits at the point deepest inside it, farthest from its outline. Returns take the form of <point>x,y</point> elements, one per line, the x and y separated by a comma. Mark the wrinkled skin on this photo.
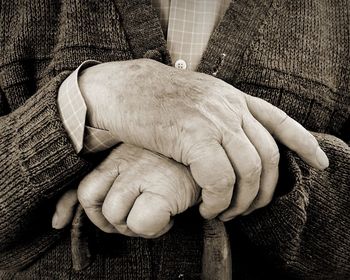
<point>222,134</point>
<point>133,192</point>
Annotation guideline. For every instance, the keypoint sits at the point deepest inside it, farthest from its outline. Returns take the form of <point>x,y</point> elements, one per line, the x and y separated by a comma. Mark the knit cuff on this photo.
<point>309,217</point>
<point>45,152</point>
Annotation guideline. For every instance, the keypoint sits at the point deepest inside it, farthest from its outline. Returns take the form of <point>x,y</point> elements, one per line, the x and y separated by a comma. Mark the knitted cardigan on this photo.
<point>294,54</point>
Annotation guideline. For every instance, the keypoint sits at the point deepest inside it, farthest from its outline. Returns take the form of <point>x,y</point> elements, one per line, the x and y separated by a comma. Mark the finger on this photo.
<point>269,155</point>
<point>149,215</point>
<point>124,230</point>
<point>125,199</point>
<point>164,230</point>
<point>247,166</point>
<point>92,191</point>
<point>288,132</point>
<point>120,199</point>
<point>161,232</point>
<point>65,209</point>
<point>213,172</point>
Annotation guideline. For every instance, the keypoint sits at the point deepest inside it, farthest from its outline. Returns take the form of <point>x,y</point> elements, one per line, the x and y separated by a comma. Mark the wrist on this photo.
<point>96,87</point>
<point>91,85</point>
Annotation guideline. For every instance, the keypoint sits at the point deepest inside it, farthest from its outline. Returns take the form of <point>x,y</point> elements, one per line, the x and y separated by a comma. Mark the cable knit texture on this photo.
<point>294,54</point>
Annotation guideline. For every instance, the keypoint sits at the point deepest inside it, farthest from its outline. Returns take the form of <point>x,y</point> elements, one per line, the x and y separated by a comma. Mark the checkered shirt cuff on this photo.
<point>72,108</point>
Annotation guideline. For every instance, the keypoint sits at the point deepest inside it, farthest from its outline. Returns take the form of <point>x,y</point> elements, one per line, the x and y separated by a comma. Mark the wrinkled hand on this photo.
<point>222,134</point>
<point>133,192</point>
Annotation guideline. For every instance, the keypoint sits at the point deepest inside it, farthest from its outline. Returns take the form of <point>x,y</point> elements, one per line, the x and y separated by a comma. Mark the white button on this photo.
<point>180,64</point>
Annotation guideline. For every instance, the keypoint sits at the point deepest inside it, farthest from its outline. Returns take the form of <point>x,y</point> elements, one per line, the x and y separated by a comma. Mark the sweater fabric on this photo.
<point>294,54</point>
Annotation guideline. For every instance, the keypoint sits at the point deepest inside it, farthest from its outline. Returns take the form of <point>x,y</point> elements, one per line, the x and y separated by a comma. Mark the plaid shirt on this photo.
<point>187,26</point>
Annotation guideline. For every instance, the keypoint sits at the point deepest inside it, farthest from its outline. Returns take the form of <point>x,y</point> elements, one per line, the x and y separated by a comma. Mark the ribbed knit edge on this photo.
<point>39,160</point>
<point>143,30</point>
<point>235,32</point>
<point>43,141</point>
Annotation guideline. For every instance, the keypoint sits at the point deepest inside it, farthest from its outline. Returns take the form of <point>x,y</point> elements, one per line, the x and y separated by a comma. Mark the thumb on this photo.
<point>65,209</point>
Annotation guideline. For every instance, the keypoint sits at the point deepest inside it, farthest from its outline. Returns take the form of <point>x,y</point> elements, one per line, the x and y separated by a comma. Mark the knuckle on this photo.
<point>281,119</point>
<point>85,198</point>
<point>282,116</point>
<point>253,172</point>
<point>263,199</point>
<point>217,196</point>
<point>214,203</point>
<point>108,168</point>
<point>112,216</point>
<point>196,140</point>
<point>240,209</point>
<point>109,214</point>
<point>220,182</point>
<point>226,181</point>
<point>274,158</point>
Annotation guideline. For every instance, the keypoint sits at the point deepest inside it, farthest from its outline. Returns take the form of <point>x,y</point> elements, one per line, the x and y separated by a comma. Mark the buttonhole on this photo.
<point>217,68</point>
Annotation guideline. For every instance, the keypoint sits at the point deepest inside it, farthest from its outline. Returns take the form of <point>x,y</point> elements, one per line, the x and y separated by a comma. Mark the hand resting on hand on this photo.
<point>222,134</point>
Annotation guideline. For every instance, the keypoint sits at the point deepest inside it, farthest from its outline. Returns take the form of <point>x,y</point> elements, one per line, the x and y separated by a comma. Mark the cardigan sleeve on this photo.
<point>305,231</point>
<point>37,162</point>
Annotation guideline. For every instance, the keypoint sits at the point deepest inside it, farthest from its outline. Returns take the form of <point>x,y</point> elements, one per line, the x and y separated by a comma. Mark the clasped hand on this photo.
<point>223,135</point>
<point>133,192</point>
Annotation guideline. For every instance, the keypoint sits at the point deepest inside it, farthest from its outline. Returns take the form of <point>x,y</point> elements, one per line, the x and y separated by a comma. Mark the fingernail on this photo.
<point>322,158</point>
<point>55,221</point>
